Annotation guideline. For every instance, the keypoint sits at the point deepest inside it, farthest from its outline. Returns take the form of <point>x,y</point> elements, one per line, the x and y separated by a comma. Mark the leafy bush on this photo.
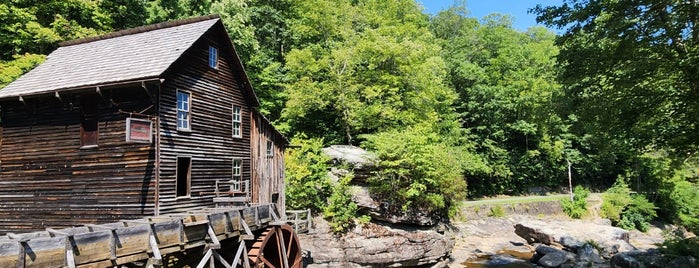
<point>418,170</point>
<point>676,245</point>
<point>341,210</point>
<point>496,212</point>
<point>676,184</point>
<point>307,182</point>
<point>625,209</point>
<point>578,207</point>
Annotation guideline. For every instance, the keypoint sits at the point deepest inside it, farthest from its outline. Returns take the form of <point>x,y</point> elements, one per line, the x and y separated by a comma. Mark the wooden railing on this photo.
<point>300,220</point>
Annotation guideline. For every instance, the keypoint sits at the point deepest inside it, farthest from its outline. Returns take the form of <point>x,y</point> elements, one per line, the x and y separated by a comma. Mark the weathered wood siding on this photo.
<point>210,143</point>
<point>268,171</point>
<point>46,180</point>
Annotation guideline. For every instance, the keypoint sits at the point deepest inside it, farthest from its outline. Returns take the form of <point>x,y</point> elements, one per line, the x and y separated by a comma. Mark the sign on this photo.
<point>139,130</point>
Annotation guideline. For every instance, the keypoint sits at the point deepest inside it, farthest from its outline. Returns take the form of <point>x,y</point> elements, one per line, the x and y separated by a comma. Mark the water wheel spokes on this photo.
<point>276,247</point>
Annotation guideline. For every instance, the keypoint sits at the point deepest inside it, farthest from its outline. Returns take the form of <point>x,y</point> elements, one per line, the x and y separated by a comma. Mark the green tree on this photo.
<point>420,171</point>
<point>506,81</point>
<point>366,66</point>
<point>307,182</point>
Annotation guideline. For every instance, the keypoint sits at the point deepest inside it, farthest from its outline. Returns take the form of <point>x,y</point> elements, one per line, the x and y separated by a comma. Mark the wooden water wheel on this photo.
<point>277,247</point>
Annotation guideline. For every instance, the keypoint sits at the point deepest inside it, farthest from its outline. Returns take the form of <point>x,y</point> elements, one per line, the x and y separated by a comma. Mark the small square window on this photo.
<point>270,148</point>
<point>213,57</point>
<point>237,122</point>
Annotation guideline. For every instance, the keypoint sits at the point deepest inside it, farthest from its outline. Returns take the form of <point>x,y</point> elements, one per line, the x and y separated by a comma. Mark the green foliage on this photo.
<point>577,208</point>
<point>365,67</point>
<point>506,85</point>
<point>675,244</point>
<point>307,182</point>
<point>418,171</point>
<point>11,70</point>
<point>341,211</point>
<point>497,212</point>
<point>626,209</point>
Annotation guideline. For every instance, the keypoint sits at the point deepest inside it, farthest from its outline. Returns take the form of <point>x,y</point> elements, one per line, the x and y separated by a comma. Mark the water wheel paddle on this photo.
<point>276,247</point>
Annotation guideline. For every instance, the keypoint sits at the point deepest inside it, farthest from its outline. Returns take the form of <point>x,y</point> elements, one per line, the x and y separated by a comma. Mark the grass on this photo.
<point>514,200</point>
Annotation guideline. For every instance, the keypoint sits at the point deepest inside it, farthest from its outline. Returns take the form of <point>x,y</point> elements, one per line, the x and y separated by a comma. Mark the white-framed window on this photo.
<point>213,57</point>
<point>184,117</point>
<point>237,178</point>
<point>270,148</point>
<point>237,122</point>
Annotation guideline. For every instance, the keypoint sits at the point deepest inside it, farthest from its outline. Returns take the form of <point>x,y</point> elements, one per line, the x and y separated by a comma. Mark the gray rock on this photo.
<point>553,259</point>
<point>357,158</point>
<point>624,260</point>
<point>384,212</point>
<point>683,262</point>
<point>503,260</point>
<point>588,253</point>
<point>545,250</point>
<point>376,246</point>
<point>570,234</point>
<point>532,234</point>
<point>571,243</point>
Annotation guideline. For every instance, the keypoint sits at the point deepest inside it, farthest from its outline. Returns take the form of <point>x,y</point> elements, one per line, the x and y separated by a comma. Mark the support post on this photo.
<point>570,180</point>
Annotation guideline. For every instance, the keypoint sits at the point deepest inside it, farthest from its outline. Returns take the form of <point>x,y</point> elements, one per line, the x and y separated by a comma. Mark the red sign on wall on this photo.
<point>139,130</point>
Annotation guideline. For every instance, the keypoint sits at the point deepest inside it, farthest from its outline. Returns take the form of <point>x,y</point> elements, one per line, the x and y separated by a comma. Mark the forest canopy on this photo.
<point>455,106</point>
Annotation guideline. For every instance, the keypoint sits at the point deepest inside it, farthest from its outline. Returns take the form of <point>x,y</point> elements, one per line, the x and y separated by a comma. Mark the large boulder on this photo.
<point>385,212</point>
<point>360,161</point>
<point>375,245</point>
<point>570,234</point>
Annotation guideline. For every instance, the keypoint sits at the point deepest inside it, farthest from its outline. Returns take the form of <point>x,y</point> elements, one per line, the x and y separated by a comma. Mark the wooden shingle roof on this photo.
<point>126,56</point>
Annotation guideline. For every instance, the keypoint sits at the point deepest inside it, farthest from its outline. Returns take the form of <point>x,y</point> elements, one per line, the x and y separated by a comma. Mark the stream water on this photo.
<point>503,259</point>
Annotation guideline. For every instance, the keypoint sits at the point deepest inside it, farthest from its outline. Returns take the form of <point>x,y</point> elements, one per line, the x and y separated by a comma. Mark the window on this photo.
<point>89,131</point>
<point>213,57</point>
<point>270,148</point>
<point>183,110</point>
<point>237,175</point>
<point>237,122</point>
<point>184,175</point>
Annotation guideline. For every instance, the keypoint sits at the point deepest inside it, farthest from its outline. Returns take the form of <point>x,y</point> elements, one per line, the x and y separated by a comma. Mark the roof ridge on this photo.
<point>140,29</point>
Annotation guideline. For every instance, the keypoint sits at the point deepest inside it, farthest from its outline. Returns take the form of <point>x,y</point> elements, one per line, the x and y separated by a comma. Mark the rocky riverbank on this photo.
<point>557,241</point>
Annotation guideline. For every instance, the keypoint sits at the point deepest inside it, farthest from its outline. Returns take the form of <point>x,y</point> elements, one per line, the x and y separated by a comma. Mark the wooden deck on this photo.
<point>129,241</point>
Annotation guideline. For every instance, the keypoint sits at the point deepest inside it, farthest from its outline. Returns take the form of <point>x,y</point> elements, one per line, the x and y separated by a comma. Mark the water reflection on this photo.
<point>503,259</point>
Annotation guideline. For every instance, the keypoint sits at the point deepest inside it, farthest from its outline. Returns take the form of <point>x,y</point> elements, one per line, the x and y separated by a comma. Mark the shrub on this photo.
<point>418,170</point>
<point>341,210</point>
<point>625,209</point>
<point>676,184</point>
<point>578,207</point>
<point>307,182</point>
<point>676,245</point>
<point>497,211</point>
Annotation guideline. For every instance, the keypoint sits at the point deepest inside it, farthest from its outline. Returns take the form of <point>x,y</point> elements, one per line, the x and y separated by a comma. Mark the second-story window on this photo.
<point>184,101</point>
<point>213,57</point>
<point>270,148</point>
<point>237,122</point>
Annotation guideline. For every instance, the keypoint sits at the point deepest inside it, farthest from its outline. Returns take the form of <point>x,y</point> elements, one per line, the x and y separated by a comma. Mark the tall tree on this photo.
<point>630,69</point>
<point>366,66</point>
<point>507,94</point>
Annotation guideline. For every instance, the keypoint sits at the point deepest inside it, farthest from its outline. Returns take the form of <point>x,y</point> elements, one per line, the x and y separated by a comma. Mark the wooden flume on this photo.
<point>270,241</point>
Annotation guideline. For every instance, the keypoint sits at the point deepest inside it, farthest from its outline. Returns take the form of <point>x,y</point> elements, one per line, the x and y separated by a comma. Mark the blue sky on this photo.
<point>480,8</point>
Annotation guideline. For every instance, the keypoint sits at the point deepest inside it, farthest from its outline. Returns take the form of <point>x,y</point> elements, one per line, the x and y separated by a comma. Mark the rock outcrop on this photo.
<point>360,161</point>
<point>375,245</point>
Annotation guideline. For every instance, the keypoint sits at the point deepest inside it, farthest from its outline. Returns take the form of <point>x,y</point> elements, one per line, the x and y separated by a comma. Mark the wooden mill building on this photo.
<point>140,122</point>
